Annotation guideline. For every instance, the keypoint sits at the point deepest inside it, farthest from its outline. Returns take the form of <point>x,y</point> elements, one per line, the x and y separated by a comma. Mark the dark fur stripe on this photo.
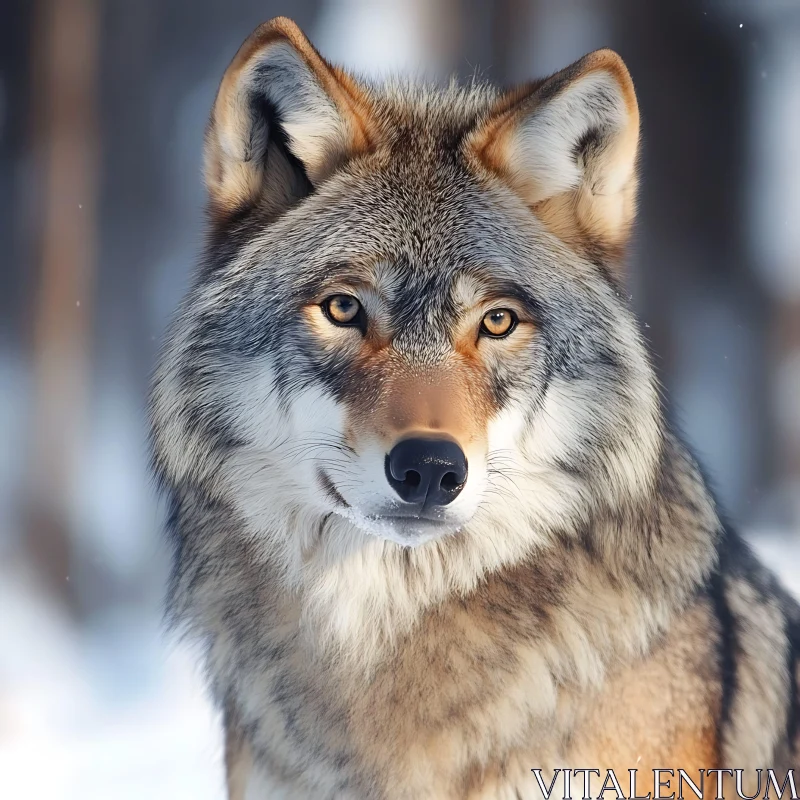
<point>793,664</point>
<point>727,649</point>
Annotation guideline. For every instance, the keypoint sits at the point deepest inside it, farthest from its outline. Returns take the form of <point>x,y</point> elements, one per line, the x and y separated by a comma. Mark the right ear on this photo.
<point>283,120</point>
<point>568,147</point>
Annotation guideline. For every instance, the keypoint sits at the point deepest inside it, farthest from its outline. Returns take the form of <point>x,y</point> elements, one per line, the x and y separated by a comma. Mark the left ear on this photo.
<point>568,147</point>
<point>283,121</point>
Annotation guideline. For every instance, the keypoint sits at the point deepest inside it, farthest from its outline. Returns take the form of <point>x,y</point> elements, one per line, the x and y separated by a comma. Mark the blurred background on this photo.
<point>102,110</point>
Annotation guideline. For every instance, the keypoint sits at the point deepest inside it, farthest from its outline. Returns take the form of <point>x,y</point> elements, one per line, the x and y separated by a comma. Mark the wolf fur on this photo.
<point>580,603</point>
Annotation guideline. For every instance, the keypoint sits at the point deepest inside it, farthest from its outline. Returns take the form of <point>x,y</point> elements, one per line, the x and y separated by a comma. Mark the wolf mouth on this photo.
<point>408,530</point>
<point>412,514</point>
<point>412,523</point>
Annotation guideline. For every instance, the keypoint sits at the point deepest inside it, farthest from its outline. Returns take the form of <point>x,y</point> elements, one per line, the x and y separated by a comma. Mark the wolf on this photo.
<point>430,521</point>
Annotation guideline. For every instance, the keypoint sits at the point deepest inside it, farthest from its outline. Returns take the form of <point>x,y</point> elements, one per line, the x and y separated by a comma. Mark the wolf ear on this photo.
<point>283,120</point>
<point>568,147</point>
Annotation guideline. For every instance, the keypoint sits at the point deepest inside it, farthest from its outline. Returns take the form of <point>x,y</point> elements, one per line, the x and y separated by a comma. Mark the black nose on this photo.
<point>429,472</point>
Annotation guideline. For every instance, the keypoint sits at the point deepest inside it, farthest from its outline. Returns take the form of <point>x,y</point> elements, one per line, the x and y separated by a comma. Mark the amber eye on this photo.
<point>498,322</point>
<point>343,309</point>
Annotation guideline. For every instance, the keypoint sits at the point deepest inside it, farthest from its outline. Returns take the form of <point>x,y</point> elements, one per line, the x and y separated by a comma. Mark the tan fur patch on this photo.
<point>660,712</point>
<point>452,400</point>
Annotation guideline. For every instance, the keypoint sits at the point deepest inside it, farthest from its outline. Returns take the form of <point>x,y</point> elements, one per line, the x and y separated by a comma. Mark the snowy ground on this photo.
<point>120,713</point>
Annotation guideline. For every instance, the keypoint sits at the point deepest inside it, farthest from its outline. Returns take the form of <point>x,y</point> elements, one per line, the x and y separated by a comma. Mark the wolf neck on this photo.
<point>646,560</point>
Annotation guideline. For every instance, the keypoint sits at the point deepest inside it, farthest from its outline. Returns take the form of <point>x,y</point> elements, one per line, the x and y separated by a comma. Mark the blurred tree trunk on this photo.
<point>64,67</point>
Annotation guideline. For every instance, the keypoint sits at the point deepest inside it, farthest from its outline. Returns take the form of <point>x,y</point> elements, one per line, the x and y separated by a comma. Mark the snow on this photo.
<point>780,551</point>
<point>90,716</point>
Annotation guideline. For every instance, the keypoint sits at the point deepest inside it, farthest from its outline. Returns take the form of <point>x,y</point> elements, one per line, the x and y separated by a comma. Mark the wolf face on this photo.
<point>408,325</point>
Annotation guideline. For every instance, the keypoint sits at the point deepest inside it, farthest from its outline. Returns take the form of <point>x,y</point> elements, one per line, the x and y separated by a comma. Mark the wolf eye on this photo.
<point>343,309</point>
<point>498,322</point>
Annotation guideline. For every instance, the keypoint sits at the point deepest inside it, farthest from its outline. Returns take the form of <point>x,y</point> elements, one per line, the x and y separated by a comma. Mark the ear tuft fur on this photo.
<point>568,147</point>
<point>283,120</point>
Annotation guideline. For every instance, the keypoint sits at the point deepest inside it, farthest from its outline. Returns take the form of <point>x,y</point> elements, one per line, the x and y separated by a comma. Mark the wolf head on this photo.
<point>408,325</point>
